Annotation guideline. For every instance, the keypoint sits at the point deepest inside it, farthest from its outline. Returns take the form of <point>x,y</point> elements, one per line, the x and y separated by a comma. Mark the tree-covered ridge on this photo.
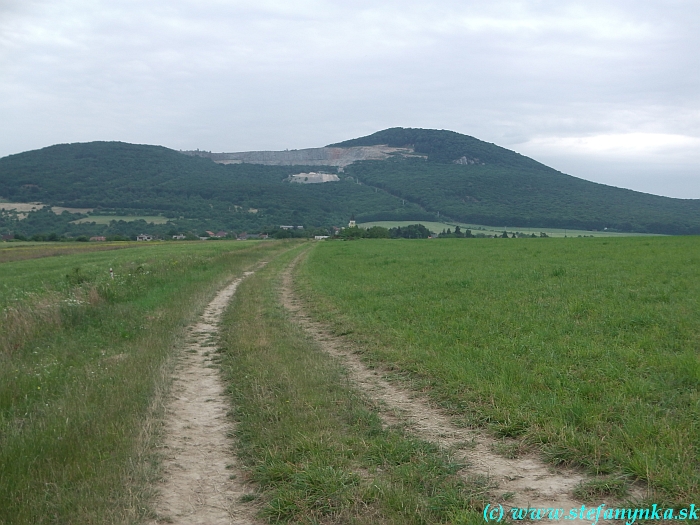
<point>152,180</point>
<point>539,197</point>
<point>444,147</point>
<point>490,185</point>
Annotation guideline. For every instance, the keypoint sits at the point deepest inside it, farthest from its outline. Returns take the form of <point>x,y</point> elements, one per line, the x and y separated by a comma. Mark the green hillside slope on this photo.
<point>459,177</point>
<point>495,186</point>
<point>151,180</point>
<point>444,146</point>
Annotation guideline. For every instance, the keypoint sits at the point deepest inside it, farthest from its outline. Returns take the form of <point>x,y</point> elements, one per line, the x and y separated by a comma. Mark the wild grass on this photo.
<point>602,488</point>
<point>82,383</point>
<point>20,252</point>
<point>312,442</point>
<point>584,348</point>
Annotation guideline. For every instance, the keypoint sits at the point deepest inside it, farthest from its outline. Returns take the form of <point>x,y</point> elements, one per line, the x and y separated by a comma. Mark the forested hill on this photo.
<point>470,180</point>
<point>446,173</point>
<point>193,192</point>
<point>445,147</point>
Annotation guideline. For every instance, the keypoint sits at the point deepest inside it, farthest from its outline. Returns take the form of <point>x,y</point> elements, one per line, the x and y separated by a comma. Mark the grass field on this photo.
<point>312,441</point>
<point>84,365</point>
<point>437,227</point>
<point>586,349</point>
<point>106,219</point>
<point>36,250</point>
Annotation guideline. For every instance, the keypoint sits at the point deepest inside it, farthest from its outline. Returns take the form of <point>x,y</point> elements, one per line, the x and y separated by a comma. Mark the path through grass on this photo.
<point>312,441</point>
<point>83,367</point>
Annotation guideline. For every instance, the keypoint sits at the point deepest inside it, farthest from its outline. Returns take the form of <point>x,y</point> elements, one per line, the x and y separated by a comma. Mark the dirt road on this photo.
<point>202,484</point>
<point>524,481</point>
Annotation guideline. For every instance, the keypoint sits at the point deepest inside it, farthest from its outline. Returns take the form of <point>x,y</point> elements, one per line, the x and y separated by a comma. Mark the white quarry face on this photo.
<point>313,178</point>
<point>335,156</point>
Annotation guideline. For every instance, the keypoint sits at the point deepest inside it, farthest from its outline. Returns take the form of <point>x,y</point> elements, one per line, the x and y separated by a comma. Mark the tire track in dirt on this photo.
<point>202,483</point>
<point>524,482</point>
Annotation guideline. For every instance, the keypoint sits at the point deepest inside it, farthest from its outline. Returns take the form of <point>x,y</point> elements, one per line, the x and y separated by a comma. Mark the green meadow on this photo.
<point>36,250</point>
<point>313,441</point>
<point>586,350</point>
<point>437,227</point>
<point>85,363</point>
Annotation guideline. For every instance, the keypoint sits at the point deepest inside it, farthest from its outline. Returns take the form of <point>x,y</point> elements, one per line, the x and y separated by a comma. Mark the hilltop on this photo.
<point>395,174</point>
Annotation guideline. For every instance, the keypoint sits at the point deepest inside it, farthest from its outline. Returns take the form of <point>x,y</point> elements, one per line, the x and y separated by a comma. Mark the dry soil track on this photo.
<point>202,484</point>
<point>525,481</point>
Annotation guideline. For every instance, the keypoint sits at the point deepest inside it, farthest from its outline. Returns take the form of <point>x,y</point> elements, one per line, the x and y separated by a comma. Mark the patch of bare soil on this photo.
<point>524,481</point>
<point>202,482</point>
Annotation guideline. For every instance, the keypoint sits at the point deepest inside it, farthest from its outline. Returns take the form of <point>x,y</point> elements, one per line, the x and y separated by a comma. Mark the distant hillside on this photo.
<point>193,192</point>
<point>473,181</point>
<point>443,147</point>
<point>395,174</point>
<point>328,156</point>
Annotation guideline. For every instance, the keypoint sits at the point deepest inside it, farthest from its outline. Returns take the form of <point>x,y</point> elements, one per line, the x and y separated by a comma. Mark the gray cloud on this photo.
<point>604,91</point>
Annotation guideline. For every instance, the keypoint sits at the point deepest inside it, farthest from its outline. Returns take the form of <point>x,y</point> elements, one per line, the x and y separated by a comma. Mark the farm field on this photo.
<point>106,219</point>
<point>437,227</point>
<point>24,207</point>
<point>85,363</point>
<point>583,349</point>
<point>36,250</point>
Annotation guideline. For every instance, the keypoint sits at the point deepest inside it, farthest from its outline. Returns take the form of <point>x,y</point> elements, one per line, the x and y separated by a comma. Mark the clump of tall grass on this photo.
<point>20,323</point>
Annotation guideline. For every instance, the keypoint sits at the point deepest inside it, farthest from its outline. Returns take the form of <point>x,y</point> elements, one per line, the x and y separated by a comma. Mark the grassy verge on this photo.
<point>312,442</point>
<point>80,383</point>
<point>584,348</point>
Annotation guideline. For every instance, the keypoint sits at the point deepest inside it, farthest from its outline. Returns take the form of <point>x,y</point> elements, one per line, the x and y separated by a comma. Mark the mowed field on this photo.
<point>85,362</point>
<point>587,350</point>
<point>437,227</point>
<point>36,250</point>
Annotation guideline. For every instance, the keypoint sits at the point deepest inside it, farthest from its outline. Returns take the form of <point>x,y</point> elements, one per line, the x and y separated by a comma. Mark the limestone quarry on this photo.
<point>338,157</point>
<point>313,178</point>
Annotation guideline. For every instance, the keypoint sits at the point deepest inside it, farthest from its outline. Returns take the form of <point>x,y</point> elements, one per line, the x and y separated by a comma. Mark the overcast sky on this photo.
<point>607,91</point>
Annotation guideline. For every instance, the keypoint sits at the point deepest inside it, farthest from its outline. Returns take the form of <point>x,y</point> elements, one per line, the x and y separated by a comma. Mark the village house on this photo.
<point>98,238</point>
<point>144,237</point>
